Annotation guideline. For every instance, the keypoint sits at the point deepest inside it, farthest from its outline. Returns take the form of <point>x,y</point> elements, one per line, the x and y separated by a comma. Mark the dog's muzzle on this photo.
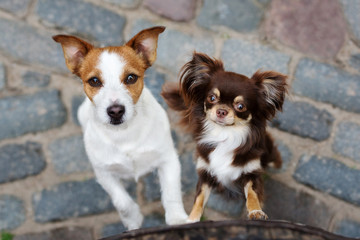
<point>116,113</point>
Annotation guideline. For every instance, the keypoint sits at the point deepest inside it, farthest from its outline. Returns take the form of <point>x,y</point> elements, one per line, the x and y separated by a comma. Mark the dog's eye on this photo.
<point>94,82</point>
<point>131,79</point>
<point>212,98</point>
<point>240,107</point>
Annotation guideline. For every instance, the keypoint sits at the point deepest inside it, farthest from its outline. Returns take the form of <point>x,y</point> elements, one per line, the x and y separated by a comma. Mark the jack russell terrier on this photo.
<point>126,131</point>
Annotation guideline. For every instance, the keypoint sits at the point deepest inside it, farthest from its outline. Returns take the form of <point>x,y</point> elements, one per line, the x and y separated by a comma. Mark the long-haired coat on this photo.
<point>227,113</point>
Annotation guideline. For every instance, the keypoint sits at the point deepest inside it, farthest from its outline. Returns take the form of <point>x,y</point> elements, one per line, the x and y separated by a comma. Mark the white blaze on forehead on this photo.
<point>112,66</point>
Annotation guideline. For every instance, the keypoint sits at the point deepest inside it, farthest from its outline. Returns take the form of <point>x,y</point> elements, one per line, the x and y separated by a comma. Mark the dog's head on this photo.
<point>113,77</point>
<point>231,99</point>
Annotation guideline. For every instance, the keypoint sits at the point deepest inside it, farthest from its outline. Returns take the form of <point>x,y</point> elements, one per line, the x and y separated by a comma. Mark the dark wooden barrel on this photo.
<point>232,230</point>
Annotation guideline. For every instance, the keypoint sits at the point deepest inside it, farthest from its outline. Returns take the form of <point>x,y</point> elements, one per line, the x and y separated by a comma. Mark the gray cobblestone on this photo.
<point>231,207</point>
<point>188,179</point>
<point>328,84</point>
<point>152,187</point>
<point>172,57</point>
<point>112,229</point>
<point>70,199</point>
<point>347,140</point>
<point>76,101</point>
<point>154,81</point>
<point>242,16</point>
<point>69,156</point>
<point>351,10</point>
<point>2,76</point>
<point>348,228</point>
<point>246,58</point>
<point>152,220</point>
<point>177,10</point>
<point>286,156</point>
<point>125,3</point>
<point>31,113</point>
<point>19,161</point>
<point>26,43</point>
<point>17,7</point>
<point>12,212</point>
<point>330,176</point>
<point>355,61</point>
<point>300,25</point>
<point>189,175</point>
<point>304,120</point>
<point>103,25</point>
<point>78,233</point>
<point>35,79</point>
<point>296,206</point>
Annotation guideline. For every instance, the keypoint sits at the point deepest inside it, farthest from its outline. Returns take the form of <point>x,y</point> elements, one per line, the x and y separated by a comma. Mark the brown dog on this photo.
<point>227,113</point>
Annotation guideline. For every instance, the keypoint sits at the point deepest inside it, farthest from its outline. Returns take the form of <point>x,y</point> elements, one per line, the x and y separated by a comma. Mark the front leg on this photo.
<point>203,192</point>
<point>171,198</point>
<point>253,203</point>
<point>128,210</point>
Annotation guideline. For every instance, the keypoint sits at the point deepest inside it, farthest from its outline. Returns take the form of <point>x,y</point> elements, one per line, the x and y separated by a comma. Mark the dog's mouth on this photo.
<point>116,121</point>
<point>222,122</point>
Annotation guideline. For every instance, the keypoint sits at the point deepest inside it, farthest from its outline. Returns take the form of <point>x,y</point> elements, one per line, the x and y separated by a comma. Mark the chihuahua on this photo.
<point>126,131</point>
<point>226,113</point>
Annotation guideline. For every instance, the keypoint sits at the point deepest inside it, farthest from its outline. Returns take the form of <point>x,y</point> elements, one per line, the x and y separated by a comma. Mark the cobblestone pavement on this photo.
<point>47,187</point>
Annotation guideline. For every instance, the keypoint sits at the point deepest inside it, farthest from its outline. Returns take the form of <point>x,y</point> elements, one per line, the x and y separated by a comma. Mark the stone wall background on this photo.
<point>47,188</point>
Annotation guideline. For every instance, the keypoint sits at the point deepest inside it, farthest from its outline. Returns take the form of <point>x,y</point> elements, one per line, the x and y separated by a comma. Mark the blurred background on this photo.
<point>47,187</point>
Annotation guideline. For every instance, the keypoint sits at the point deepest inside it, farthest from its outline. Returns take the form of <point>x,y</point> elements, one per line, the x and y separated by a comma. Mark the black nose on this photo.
<point>116,112</point>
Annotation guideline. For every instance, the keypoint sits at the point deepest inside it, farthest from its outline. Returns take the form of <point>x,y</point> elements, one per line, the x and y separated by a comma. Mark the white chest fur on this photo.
<point>226,139</point>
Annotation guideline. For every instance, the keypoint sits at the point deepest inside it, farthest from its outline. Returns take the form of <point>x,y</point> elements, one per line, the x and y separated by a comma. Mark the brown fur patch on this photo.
<point>139,53</point>
<point>145,44</point>
<point>88,70</point>
<point>74,49</point>
<point>133,65</point>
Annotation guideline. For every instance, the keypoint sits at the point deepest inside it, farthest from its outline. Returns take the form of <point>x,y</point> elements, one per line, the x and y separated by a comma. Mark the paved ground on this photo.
<point>47,188</point>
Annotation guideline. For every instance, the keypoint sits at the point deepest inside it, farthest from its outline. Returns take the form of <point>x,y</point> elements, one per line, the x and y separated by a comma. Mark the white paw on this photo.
<point>257,215</point>
<point>174,218</point>
<point>132,219</point>
<point>192,220</point>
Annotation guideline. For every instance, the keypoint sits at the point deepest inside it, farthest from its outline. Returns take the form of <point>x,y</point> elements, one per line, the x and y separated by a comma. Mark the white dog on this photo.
<point>126,131</point>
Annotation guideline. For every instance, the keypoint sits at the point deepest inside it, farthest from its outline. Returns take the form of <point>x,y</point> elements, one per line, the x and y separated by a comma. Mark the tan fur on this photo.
<point>200,201</point>
<point>253,204</point>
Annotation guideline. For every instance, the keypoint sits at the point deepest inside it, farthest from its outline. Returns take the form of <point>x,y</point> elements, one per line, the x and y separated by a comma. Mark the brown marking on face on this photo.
<point>134,65</point>
<point>200,202</point>
<point>88,70</point>
<point>139,53</point>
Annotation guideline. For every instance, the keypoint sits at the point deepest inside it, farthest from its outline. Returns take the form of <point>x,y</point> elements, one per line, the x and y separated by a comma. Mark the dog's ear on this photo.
<point>145,43</point>
<point>74,50</point>
<point>196,75</point>
<point>273,88</point>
